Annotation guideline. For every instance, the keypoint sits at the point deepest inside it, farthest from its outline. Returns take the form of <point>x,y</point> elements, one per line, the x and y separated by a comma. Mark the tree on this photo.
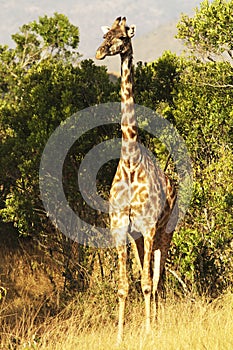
<point>43,82</point>
<point>203,114</point>
<point>156,82</point>
<point>50,36</point>
<point>209,32</point>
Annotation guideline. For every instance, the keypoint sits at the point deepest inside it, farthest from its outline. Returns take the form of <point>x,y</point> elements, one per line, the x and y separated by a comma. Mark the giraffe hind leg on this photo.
<point>146,280</point>
<point>122,289</point>
<point>137,243</point>
<point>156,277</point>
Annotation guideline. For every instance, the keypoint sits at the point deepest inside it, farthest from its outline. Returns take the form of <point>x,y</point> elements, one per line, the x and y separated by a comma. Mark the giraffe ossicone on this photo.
<point>145,196</point>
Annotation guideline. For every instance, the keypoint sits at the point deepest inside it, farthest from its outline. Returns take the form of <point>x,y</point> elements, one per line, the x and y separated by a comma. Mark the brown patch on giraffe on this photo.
<point>134,128</point>
<point>132,176</point>
<point>129,108</point>
<point>128,79</point>
<point>123,148</point>
<point>138,207</point>
<point>123,100</point>
<point>131,133</point>
<point>127,93</point>
<point>134,187</point>
<point>141,176</point>
<point>125,174</point>
<point>144,196</point>
<point>125,138</point>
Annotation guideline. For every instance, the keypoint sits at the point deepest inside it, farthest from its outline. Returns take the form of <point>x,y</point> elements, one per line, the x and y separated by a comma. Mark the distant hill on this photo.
<point>149,47</point>
<point>152,45</point>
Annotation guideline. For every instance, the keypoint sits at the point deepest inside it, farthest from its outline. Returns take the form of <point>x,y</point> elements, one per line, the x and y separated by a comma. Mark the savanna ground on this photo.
<point>34,314</point>
<point>183,324</point>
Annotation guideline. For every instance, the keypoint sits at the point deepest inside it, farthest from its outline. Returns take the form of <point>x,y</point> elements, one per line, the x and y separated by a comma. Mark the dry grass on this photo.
<point>26,320</point>
<point>91,324</point>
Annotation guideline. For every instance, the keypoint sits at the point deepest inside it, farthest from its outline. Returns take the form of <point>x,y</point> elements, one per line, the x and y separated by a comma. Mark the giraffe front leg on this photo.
<point>123,288</point>
<point>146,280</point>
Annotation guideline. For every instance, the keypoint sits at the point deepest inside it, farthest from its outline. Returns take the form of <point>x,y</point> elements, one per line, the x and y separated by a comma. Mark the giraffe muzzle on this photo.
<point>100,54</point>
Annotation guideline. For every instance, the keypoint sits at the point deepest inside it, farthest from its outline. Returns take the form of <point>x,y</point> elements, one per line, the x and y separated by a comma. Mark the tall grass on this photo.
<point>90,323</point>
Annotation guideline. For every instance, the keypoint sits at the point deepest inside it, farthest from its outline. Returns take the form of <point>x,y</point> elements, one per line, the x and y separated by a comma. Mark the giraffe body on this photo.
<point>141,196</point>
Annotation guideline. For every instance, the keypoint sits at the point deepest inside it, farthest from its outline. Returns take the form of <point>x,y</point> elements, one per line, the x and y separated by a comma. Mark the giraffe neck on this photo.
<point>130,150</point>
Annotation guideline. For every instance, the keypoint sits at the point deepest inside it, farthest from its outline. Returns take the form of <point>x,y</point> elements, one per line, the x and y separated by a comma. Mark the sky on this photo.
<point>89,16</point>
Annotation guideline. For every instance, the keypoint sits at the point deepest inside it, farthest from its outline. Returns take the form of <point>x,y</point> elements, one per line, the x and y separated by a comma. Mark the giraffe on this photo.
<point>142,198</point>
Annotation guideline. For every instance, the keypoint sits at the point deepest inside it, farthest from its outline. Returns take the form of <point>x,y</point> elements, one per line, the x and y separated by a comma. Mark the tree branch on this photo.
<point>214,85</point>
<point>179,280</point>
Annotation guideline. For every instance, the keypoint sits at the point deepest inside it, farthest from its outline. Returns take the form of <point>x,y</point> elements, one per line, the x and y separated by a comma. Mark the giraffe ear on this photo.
<point>131,31</point>
<point>105,29</point>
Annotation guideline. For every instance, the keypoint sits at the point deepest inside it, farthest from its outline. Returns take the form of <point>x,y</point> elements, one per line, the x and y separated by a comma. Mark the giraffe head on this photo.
<point>117,39</point>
